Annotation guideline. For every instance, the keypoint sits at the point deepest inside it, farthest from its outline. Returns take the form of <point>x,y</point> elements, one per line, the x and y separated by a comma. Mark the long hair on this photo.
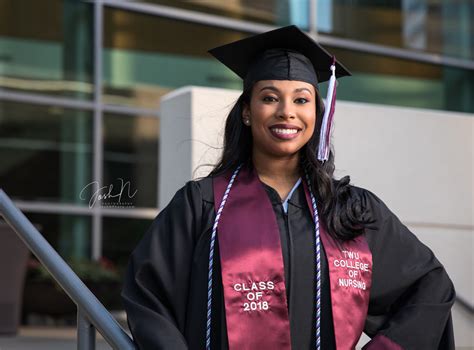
<point>341,211</point>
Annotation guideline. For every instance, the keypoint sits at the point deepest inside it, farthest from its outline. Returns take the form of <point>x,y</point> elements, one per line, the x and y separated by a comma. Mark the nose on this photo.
<point>285,110</point>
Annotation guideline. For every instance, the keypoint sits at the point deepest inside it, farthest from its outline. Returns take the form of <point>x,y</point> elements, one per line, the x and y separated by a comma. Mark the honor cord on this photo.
<point>211,257</point>
<point>318,264</point>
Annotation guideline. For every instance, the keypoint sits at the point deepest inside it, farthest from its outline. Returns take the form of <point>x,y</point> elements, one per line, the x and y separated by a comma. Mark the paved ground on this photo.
<point>46,338</point>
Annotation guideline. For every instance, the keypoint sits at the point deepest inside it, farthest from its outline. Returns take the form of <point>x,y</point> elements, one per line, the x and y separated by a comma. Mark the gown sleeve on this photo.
<point>157,279</point>
<point>411,295</point>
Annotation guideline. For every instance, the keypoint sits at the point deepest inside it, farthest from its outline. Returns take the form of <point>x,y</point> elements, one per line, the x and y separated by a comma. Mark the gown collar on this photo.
<point>296,196</point>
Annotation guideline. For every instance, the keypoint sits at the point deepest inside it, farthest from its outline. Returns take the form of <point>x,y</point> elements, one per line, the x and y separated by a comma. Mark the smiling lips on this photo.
<point>284,131</point>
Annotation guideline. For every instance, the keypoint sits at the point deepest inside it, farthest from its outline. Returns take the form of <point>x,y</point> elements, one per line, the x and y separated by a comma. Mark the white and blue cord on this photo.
<point>318,264</point>
<point>211,257</point>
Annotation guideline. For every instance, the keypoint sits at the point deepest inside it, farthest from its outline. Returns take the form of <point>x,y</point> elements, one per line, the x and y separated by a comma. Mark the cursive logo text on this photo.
<point>104,193</point>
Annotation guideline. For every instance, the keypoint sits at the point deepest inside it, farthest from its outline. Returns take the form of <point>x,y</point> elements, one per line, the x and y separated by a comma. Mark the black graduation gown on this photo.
<point>165,289</point>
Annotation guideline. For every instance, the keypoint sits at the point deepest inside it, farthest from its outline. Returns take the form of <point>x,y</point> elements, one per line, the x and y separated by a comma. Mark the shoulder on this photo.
<point>195,193</point>
<point>189,198</point>
<point>195,190</point>
<point>367,197</point>
<point>372,207</point>
<point>383,227</point>
<point>350,193</point>
<point>193,196</point>
<point>205,188</point>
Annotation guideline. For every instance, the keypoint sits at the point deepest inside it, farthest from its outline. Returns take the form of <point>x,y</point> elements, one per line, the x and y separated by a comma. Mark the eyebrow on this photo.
<point>276,90</point>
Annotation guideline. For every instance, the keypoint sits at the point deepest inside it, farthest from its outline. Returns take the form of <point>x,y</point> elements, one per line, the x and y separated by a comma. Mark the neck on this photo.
<point>276,170</point>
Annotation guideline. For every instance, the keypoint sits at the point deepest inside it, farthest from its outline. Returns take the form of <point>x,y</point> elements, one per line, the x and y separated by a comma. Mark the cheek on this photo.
<point>260,119</point>
<point>313,123</point>
<point>259,108</point>
<point>310,120</point>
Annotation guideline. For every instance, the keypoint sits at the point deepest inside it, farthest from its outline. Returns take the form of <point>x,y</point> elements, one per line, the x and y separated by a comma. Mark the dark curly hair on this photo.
<point>338,207</point>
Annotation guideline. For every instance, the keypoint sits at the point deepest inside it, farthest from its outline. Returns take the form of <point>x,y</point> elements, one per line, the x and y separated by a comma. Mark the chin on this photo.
<point>285,152</point>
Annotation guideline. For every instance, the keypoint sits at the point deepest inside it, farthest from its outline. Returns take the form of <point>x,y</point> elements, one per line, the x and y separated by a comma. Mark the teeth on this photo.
<point>285,131</point>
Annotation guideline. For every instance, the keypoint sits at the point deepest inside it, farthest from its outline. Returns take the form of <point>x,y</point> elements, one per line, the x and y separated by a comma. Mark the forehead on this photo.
<point>283,85</point>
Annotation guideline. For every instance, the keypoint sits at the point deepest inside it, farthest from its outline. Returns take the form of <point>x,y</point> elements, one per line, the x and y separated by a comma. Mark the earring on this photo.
<point>247,121</point>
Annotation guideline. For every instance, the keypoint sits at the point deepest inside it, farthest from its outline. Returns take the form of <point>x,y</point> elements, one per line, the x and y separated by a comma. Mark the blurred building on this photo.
<point>80,84</point>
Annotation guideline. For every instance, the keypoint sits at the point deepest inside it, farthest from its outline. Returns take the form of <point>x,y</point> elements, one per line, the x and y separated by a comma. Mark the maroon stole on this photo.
<point>350,277</point>
<point>252,266</point>
<point>253,275</point>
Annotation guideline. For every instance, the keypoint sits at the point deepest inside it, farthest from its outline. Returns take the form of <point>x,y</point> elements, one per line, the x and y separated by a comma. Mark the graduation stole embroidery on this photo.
<point>252,266</point>
<point>350,276</point>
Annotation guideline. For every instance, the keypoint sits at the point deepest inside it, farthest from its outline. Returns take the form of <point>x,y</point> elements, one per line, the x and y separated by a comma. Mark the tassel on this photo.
<point>326,126</point>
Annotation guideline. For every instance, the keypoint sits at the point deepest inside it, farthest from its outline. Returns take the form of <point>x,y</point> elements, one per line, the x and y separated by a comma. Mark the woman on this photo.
<point>229,264</point>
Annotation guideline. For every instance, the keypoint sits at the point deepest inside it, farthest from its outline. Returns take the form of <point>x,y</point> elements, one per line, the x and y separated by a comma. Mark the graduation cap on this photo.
<point>243,56</point>
<point>286,54</point>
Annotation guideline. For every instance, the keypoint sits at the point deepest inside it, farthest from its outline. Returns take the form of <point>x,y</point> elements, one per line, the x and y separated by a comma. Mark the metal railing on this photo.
<point>465,304</point>
<point>91,314</point>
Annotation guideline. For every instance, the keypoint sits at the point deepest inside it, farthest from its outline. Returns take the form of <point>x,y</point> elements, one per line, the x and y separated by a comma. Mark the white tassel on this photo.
<point>326,126</point>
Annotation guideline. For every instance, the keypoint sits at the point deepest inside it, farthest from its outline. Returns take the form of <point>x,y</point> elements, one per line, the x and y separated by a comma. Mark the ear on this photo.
<point>245,111</point>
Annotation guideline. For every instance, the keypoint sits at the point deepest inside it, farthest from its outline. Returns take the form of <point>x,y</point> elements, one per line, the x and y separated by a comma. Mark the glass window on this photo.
<point>142,61</point>
<point>45,152</point>
<point>131,160</point>
<point>393,81</point>
<point>443,27</point>
<point>46,47</point>
<point>274,12</point>
<point>70,235</point>
<point>120,236</point>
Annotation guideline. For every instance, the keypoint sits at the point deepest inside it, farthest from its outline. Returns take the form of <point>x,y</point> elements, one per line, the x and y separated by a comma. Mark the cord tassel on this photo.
<point>326,126</point>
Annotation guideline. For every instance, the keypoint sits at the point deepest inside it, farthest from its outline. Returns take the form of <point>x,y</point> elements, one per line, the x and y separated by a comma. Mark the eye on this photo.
<point>269,99</point>
<point>301,100</point>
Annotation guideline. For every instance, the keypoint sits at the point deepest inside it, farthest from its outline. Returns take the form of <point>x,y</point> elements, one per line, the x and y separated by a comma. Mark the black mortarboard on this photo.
<point>282,54</point>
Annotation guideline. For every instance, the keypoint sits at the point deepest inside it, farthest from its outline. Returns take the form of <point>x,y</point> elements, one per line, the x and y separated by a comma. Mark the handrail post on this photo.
<point>85,332</point>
